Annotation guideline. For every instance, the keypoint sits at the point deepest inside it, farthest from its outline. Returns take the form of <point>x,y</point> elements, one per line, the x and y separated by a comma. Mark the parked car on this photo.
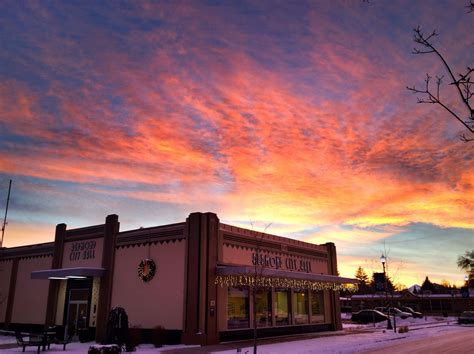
<point>393,311</point>
<point>466,317</point>
<point>368,316</point>
<point>414,313</point>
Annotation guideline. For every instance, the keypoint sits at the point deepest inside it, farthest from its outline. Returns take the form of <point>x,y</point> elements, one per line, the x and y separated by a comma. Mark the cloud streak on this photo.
<point>277,112</point>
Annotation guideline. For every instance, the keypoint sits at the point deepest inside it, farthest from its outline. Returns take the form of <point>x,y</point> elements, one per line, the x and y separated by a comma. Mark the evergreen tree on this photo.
<point>362,276</point>
<point>390,286</point>
<point>364,282</point>
<point>427,285</point>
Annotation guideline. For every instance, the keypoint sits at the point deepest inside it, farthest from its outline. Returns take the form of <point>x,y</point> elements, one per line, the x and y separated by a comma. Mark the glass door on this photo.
<point>77,311</point>
<point>71,327</point>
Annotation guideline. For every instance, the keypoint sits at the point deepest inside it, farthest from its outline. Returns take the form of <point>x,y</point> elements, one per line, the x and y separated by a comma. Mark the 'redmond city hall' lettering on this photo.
<point>82,250</point>
<point>277,262</point>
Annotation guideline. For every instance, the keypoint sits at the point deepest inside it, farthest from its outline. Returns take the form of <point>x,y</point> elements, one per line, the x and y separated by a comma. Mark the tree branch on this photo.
<point>466,139</point>
<point>470,6</point>
<point>463,85</point>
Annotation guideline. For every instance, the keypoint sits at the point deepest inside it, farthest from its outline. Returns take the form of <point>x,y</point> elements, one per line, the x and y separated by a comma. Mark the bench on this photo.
<point>29,340</point>
<point>51,338</point>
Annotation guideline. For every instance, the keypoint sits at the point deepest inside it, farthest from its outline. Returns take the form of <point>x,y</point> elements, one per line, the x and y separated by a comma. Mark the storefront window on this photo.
<point>264,309</point>
<point>317,307</point>
<point>237,308</point>
<point>282,306</point>
<point>300,299</point>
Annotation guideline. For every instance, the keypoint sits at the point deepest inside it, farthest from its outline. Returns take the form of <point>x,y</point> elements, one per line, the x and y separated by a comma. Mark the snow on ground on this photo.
<point>353,339</point>
<point>410,322</point>
<point>371,338</point>
<point>349,344</point>
<point>7,339</point>
<point>83,347</point>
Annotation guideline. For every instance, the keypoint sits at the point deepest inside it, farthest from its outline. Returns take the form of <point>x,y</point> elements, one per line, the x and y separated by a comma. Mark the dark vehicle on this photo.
<point>368,316</point>
<point>414,313</point>
<point>466,317</point>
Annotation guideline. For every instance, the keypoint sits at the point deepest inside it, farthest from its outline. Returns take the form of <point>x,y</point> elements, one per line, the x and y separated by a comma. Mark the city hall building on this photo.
<point>196,279</point>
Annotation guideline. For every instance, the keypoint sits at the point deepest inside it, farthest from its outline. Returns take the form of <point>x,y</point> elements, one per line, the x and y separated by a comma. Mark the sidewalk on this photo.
<point>8,345</point>
<point>10,342</point>
<point>7,340</point>
<point>356,335</point>
<point>262,341</point>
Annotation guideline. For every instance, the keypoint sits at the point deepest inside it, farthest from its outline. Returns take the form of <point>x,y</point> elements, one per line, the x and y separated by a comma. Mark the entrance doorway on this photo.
<point>77,309</point>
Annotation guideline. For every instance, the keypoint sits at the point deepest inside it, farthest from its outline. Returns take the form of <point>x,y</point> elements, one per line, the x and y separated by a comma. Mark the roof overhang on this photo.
<point>68,273</point>
<point>233,270</point>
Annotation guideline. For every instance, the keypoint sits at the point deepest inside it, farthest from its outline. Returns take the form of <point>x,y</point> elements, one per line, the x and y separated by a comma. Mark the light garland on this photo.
<point>271,282</point>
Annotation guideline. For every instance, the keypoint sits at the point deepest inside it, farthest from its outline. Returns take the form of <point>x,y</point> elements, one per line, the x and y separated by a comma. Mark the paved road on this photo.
<point>460,342</point>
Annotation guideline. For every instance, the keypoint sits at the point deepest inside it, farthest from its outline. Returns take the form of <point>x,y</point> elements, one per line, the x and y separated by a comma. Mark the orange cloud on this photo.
<point>307,125</point>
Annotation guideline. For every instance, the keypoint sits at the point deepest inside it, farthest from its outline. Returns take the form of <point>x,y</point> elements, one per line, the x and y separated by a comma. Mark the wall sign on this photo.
<point>82,250</point>
<point>277,262</point>
<point>146,270</point>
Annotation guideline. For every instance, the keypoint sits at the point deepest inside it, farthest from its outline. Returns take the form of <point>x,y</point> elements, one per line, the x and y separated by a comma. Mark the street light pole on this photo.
<point>466,279</point>
<point>383,260</point>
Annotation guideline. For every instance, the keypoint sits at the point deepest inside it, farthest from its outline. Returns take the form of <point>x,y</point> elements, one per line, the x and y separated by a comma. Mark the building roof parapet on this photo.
<point>38,250</point>
<point>236,236</point>
<point>85,232</point>
<point>152,234</point>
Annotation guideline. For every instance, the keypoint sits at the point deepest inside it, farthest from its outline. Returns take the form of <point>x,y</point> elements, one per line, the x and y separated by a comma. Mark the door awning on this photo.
<point>231,275</point>
<point>64,273</point>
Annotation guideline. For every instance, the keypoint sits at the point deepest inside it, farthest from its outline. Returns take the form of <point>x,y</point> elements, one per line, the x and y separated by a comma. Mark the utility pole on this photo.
<point>6,212</point>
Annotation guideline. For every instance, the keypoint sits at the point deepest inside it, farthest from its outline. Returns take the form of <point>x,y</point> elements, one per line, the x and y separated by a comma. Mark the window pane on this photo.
<point>264,310</point>
<point>317,307</point>
<point>300,299</point>
<point>79,294</point>
<point>237,308</point>
<point>282,307</point>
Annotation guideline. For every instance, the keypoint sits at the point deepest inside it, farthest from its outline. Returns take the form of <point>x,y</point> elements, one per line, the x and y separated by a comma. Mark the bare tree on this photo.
<point>461,82</point>
<point>470,6</point>
<point>256,287</point>
<point>391,277</point>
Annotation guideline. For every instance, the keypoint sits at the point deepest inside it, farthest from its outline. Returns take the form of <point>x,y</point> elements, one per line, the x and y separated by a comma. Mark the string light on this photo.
<point>273,282</point>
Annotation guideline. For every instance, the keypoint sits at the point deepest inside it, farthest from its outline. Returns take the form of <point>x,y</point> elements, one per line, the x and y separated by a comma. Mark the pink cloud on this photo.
<point>352,148</point>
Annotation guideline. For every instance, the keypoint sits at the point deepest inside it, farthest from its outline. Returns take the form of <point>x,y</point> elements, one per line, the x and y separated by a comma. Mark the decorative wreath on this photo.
<point>147,270</point>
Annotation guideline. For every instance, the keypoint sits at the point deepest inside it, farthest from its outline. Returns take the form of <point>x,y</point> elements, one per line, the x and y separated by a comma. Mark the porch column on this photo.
<point>112,226</point>
<point>57,263</point>
<point>334,295</point>
<point>11,293</point>
<point>200,322</point>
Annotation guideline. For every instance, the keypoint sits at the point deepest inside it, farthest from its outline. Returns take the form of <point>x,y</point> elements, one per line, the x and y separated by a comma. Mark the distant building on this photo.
<point>192,278</point>
<point>428,303</point>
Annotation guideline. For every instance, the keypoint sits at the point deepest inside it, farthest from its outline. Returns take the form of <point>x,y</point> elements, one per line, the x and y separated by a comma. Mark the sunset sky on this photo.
<point>292,113</point>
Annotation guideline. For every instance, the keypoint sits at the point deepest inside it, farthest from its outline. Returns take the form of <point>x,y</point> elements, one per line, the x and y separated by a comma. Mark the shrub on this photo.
<point>105,349</point>
<point>403,329</point>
